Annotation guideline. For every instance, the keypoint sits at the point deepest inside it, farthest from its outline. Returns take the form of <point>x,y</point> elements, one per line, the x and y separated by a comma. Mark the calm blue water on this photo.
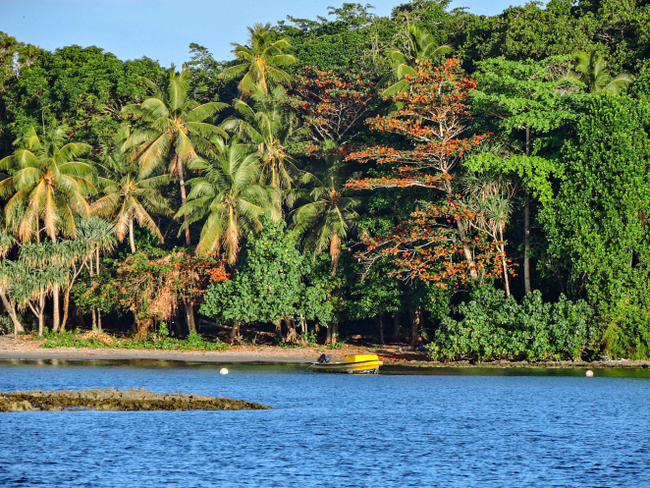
<point>447,429</point>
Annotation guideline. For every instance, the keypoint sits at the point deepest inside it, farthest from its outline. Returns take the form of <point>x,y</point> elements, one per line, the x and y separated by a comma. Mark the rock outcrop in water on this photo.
<point>112,399</point>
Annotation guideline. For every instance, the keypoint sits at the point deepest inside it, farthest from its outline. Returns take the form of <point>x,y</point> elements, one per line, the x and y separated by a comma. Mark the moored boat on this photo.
<point>356,363</point>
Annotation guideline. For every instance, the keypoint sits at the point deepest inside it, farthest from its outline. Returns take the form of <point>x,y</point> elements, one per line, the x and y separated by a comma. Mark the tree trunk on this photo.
<point>278,327</point>
<point>41,315</point>
<point>131,238</point>
<point>467,251</point>
<point>416,318</point>
<point>92,311</point>
<point>12,313</point>
<point>66,308</point>
<point>292,334</point>
<point>381,328</point>
<point>99,313</point>
<point>56,317</point>
<point>506,280</point>
<point>181,182</point>
<point>396,326</point>
<point>189,315</point>
<point>527,286</point>
<point>234,332</point>
<point>328,337</point>
<point>333,331</point>
<point>527,243</point>
<point>502,249</point>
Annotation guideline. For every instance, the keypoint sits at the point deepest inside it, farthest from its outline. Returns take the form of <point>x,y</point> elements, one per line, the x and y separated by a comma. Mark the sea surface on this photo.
<point>438,428</point>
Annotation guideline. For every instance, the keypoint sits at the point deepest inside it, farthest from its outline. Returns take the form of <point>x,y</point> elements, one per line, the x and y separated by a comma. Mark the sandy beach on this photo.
<point>25,349</point>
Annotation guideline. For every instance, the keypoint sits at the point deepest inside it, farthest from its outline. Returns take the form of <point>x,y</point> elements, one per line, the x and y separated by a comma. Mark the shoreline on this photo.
<point>28,351</point>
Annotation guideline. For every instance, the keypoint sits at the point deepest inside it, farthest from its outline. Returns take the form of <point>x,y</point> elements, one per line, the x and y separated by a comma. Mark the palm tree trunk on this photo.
<point>99,314</point>
<point>131,239</point>
<point>181,182</point>
<point>66,308</point>
<point>12,313</point>
<point>56,309</point>
<point>92,311</point>
<point>41,314</point>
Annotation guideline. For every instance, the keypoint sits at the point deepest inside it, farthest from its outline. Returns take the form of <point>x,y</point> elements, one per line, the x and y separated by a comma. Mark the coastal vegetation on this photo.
<point>478,183</point>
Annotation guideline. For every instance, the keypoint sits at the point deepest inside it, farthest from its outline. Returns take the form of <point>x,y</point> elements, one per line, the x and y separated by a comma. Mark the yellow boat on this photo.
<point>357,363</point>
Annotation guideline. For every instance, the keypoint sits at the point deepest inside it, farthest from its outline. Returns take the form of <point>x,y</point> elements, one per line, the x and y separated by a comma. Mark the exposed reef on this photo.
<point>112,399</point>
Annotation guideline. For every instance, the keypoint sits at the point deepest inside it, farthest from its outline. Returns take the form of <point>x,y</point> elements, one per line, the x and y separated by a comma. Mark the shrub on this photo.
<point>493,326</point>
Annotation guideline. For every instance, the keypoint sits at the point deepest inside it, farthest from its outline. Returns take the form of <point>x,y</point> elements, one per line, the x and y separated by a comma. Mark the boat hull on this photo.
<point>349,367</point>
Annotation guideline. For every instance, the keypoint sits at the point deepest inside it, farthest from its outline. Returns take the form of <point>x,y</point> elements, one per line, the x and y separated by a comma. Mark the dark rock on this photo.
<point>112,399</point>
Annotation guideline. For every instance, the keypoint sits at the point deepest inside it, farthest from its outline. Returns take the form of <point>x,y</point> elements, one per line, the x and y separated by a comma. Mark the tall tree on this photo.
<point>270,285</point>
<point>6,279</point>
<point>98,236</point>
<point>47,184</point>
<point>329,215</point>
<point>260,61</point>
<point>528,102</point>
<point>332,105</point>
<point>433,117</point>
<point>174,129</point>
<point>272,129</point>
<point>129,196</point>
<point>228,195</point>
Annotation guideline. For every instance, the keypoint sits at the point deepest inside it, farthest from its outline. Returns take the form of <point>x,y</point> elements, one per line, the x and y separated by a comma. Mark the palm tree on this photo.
<point>47,183</point>
<point>229,196</point>
<point>418,44</point>
<point>6,243</point>
<point>591,69</point>
<point>271,130</point>
<point>260,61</point>
<point>98,236</point>
<point>175,130</point>
<point>129,196</point>
<point>491,197</point>
<point>36,274</point>
<point>327,218</point>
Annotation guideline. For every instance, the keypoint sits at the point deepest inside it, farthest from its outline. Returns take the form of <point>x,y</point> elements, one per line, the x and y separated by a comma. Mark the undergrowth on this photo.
<point>193,342</point>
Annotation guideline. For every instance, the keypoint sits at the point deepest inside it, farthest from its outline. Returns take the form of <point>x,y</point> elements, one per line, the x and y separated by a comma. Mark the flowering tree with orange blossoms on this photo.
<point>329,105</point>
<point>427,247</point>
<point>432,115</point>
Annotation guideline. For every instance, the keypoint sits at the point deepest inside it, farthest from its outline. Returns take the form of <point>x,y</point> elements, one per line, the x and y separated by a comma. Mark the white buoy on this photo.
<point>223,371</point>
<point>589,373</point>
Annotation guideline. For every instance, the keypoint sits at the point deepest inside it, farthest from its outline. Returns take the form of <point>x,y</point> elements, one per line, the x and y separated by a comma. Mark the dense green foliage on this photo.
<point>493,326</point>
<point>355,174</point>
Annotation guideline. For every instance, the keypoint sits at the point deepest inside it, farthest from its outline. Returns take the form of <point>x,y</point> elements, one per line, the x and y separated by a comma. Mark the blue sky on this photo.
<point>163,29</point>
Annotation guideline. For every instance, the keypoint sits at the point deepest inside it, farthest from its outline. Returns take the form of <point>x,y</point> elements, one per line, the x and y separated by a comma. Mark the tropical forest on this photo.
<point>476,187</point>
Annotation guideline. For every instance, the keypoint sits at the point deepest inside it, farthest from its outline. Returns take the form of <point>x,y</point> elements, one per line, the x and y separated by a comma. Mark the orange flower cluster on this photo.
<point>330,105</point>
<point>433,116</point>
<point>428,248</point>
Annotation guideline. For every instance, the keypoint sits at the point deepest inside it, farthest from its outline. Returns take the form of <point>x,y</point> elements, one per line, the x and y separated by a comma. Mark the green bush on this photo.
<point>493,326</point>
<point>193,342</point>
<point>627,329</point>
